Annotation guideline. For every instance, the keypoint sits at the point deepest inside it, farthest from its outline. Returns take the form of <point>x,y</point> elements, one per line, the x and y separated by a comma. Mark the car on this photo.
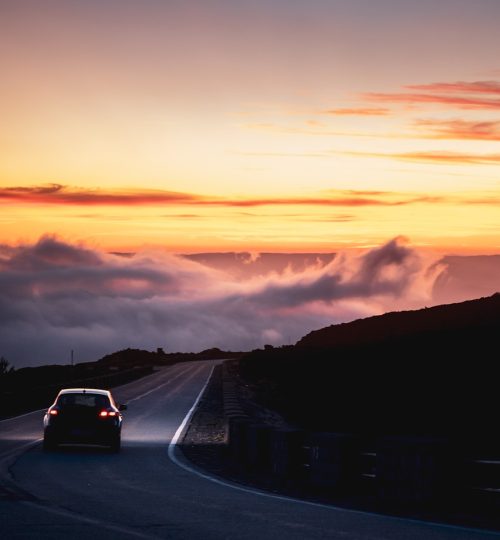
<point>83,416</point>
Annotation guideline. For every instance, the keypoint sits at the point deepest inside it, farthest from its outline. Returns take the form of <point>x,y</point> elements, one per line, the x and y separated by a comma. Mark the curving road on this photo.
<point>144,492</point>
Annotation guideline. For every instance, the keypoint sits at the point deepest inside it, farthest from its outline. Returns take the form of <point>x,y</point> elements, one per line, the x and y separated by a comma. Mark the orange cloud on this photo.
<point>58,194</point>
<point>359,111</point>
<point>460,129</point>
<point>487,200</point>
<point>411,99</point>
<point>313,201</point>
<point>475,87</point>
<point>439,92</point>
<point>436,157</point>
<point>313,128</point>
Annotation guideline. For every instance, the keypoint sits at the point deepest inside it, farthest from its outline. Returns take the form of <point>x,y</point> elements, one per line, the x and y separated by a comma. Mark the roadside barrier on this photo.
<point>238,439</point>
<point>287,454</point>
<point>258,456</point>
<point>412,471</point>
<point>397,472</point>
<point>403,472</point>
<point>334,461</point>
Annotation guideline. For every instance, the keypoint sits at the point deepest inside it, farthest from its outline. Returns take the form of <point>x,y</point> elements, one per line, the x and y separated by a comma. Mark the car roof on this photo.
<point>84,391</point>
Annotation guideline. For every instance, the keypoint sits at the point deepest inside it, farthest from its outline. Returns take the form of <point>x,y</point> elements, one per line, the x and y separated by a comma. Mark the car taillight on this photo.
<point>53,412</point>
<point>105,414</point>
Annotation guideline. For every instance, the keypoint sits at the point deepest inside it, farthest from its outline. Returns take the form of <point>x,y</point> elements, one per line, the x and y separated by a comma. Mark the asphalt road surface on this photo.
<point>147,491</point>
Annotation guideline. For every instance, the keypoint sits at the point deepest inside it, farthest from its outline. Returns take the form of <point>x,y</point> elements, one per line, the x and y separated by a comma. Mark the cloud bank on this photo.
<point>56,296</point>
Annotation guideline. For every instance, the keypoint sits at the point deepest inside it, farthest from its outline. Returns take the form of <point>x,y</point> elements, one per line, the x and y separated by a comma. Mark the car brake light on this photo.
<point>104,414</point>
<point>53,412</point>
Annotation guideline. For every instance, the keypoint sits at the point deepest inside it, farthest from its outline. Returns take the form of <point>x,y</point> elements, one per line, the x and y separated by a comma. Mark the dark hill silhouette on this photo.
<point>136,357</point>
<point>453,317</point>
<point>426,372</point>
<point>30,388</point>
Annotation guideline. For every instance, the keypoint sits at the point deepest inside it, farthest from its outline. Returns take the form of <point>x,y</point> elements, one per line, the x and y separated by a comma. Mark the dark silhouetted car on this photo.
<point>83,416</point>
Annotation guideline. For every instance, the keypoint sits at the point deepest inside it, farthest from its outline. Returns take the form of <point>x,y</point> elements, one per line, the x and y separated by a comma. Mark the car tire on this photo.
<point>49,444</point>
<point>115,445</point>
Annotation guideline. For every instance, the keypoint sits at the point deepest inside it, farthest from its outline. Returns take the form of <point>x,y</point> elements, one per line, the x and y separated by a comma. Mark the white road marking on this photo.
<point>12,453</point>
<point>91,521</point>
<point>23,415</point>
<point>188,416</point>
<point>158,386</point>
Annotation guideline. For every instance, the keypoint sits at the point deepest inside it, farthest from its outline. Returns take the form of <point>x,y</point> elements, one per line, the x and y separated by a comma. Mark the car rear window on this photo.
<point>83,400</point>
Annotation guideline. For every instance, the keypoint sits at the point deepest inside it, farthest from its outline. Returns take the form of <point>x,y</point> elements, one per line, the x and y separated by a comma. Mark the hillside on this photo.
<point>430,372</point>
<point>397,325</point>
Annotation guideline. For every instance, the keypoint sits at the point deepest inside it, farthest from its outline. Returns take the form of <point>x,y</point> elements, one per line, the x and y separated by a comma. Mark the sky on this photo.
<point>166,127</point>
<point>264,125</point>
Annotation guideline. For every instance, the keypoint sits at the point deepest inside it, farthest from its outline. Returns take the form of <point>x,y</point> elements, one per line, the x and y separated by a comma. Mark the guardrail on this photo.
<point>397,472</point>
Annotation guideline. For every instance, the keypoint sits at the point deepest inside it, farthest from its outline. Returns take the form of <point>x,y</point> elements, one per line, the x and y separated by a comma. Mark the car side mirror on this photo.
<point>122,407</point>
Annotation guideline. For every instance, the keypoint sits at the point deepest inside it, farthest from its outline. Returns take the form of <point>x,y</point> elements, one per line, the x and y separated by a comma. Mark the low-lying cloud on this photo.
<point>56,296</point>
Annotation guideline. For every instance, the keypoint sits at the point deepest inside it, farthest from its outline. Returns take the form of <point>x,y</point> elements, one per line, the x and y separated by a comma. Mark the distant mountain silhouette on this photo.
<point>457,317</point>
<point>460,277</point>
<point>247,265</point>
<point>128,358</point>
<point>466,277</point>
<point>29,388</point>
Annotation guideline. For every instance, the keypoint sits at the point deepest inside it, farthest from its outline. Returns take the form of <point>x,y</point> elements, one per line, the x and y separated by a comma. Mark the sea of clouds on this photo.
<point>57,296</point>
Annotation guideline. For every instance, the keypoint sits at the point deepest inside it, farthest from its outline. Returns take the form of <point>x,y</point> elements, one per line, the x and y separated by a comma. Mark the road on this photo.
<point>82,493</point>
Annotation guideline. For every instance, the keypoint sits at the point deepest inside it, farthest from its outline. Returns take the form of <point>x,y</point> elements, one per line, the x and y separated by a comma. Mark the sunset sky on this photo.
<point>154,128</point>
<point>278,125</point>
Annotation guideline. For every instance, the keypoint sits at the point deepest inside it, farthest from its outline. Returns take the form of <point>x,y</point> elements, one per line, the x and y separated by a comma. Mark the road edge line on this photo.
<point>187,418</point>
<point>23,415</point>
